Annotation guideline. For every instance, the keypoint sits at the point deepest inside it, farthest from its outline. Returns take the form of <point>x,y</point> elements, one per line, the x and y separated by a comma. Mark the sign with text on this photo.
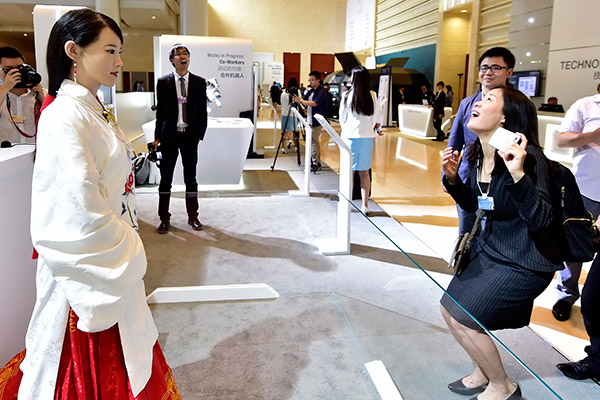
<point>360,24</point>
<point>229,60</point>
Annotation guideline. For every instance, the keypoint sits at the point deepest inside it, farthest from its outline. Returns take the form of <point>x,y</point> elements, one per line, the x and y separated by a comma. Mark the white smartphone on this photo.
<point>502,138</point>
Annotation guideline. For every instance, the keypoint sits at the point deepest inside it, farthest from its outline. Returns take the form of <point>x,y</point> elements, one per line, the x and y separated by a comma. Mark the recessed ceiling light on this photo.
<point>463,11</point>
<point>531,20</point>
<point>24,34</point>
<point>528,54</point>
<point>154,17</point>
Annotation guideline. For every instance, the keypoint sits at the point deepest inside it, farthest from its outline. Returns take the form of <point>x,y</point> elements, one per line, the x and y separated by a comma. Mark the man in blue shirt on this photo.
<point>495,67</point>
<point>315,98</point>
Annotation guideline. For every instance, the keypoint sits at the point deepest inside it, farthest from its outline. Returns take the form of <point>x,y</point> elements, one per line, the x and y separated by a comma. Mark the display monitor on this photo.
<point>528,82</point>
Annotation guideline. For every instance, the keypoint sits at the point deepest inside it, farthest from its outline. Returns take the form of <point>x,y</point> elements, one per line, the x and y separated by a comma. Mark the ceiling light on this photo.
<point>154,17</point>
<point>463,11</point>
<point>24,34</point>
<point>531,20</point>
<point>528,54</point>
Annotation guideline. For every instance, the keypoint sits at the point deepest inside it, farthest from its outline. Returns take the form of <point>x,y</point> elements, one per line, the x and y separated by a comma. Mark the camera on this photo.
<point>29,78</point>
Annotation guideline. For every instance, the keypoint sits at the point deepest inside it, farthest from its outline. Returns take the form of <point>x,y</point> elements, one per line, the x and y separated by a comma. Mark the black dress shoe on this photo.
<point>460,388</point>
<point>562,310</point>
<point>163,227</point>
<point>195,224</point>
<point>577,370</point>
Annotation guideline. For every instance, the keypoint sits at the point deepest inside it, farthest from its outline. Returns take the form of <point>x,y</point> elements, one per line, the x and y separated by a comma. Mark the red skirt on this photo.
<point>92,367</point>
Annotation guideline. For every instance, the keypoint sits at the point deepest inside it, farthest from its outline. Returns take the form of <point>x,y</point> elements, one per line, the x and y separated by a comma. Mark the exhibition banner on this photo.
<point>574,57</point>
<point>228,60</point>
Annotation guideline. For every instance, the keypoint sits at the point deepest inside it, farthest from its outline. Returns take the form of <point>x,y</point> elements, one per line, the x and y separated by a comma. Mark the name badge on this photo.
<point>485,202</point>
<point>182,100</point>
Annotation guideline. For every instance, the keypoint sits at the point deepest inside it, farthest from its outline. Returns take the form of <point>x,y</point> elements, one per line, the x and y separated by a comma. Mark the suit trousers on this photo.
<point>590,309</point>
<point>568,278</point>
<point>187,145</point>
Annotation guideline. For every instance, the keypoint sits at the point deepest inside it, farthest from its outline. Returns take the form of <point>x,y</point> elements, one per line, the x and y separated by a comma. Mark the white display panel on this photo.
<point>229,60</point>
<point>222,153</point>
<point>17,286</point>
<point>360,24</point>
<point>417,120</point>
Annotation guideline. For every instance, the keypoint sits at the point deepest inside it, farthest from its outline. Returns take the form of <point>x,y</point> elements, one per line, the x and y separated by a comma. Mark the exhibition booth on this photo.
<point>417,120</point>
<point>17,286</point>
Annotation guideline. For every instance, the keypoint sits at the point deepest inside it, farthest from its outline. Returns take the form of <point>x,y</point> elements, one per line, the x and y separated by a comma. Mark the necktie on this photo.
<point>184,104</point>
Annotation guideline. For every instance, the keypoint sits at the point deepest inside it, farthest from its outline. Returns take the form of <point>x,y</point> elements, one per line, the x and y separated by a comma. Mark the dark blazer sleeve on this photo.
<point>198,121</point>
<point>161,112</point>
<point>532,192</point>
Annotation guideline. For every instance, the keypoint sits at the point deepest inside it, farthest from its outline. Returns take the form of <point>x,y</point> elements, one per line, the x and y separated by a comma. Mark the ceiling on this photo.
<point>136,15</point>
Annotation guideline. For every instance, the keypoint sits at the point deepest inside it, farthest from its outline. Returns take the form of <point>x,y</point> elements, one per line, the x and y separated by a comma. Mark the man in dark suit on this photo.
<point>438,111</point>
<point>181,119</point>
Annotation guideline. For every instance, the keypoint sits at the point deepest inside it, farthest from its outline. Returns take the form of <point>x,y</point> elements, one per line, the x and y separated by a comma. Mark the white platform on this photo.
<point>417,120</point>
<point>222,153</point>
<point>17,286</point>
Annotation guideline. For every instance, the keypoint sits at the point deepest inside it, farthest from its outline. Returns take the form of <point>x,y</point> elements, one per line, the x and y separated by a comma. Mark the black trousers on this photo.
<point>590,309</point>
<point>187,145</point>
<point>437,124</point>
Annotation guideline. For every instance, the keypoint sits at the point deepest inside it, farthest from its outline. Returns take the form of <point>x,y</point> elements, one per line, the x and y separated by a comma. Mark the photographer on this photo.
<point>316,100</point>
<point>20,97</point>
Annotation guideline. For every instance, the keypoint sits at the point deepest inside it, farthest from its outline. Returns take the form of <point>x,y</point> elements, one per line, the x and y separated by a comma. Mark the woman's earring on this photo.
<point>75,71</point>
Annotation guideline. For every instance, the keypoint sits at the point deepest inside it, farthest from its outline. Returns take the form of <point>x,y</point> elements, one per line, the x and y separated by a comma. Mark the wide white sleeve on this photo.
<point>95,257</point>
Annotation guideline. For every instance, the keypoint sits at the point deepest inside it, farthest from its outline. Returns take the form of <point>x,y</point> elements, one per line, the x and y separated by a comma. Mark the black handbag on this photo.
<point>460,255</point>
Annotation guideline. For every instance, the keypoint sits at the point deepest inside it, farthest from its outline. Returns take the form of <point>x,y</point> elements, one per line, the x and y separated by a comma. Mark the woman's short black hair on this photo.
<point>83,26</point>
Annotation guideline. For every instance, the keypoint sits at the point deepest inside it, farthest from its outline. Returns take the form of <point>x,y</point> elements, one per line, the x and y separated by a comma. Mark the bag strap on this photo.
<point>475,226</point>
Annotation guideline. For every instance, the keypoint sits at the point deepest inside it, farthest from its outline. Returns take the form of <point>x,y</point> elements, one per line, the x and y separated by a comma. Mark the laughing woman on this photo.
<point>91,334</point>
<point>512,259</point>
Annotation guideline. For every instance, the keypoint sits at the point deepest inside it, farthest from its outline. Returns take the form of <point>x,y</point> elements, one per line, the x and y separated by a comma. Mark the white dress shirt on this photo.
<point>22,109</point>
<point>180,98</point>
<point>582,117</point>
<point>355,126</point>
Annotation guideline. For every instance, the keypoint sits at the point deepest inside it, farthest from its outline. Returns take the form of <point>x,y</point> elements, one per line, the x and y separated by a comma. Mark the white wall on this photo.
<point>574,60</point>
<point>227,59</point>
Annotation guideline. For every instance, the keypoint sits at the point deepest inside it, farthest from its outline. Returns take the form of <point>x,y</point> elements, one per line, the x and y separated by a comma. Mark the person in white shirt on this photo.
<point>580,129</point>
<point>91,332</point>
<point>19,105</point>
<point>358,118</point>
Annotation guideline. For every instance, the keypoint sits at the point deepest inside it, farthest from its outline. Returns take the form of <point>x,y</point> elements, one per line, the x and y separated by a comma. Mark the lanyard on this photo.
<point>479,170</point>
<point>36,111</point>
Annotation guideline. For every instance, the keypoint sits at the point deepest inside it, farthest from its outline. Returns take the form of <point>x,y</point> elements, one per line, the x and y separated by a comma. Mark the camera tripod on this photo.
<point>296,139</point>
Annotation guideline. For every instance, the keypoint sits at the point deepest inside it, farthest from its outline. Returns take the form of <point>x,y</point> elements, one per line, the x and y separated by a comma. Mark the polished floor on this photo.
<point>406,185</point>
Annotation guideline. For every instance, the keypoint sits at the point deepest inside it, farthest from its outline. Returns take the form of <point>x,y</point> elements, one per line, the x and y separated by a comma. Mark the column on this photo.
<point>112,8</point>
<point>193,17</point>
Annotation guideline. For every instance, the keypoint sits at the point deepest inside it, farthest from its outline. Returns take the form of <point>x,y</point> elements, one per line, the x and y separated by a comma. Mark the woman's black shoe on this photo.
<point>460,388</point>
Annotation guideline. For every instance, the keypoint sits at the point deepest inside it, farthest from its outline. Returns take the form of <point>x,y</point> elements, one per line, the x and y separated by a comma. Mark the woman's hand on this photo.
<point>378,129</point>
<point>514,157</point>
<point>450,164</point>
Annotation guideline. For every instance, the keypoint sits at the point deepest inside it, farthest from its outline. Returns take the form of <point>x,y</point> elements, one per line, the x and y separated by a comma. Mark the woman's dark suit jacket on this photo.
<point>167,108</point>
<point>518,230</point>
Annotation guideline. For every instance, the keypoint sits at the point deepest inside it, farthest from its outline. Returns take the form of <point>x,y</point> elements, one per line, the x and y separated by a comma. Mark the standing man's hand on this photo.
<point>155,144</point>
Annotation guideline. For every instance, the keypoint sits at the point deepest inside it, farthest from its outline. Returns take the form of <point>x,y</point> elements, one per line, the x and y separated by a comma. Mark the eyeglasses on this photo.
<point>495,68</point>
<point>183,53</point>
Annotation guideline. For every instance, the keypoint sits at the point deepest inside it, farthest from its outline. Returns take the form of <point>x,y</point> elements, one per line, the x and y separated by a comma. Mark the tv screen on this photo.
<point>528,82</point>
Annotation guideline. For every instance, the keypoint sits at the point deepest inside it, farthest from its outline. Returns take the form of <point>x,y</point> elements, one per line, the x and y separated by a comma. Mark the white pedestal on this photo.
<point>417,120</point>
<point>222,153</point>
<point>17,282</point>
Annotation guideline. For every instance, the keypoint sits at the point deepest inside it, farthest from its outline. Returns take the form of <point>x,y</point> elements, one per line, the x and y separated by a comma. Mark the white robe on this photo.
<point>84,227</point>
